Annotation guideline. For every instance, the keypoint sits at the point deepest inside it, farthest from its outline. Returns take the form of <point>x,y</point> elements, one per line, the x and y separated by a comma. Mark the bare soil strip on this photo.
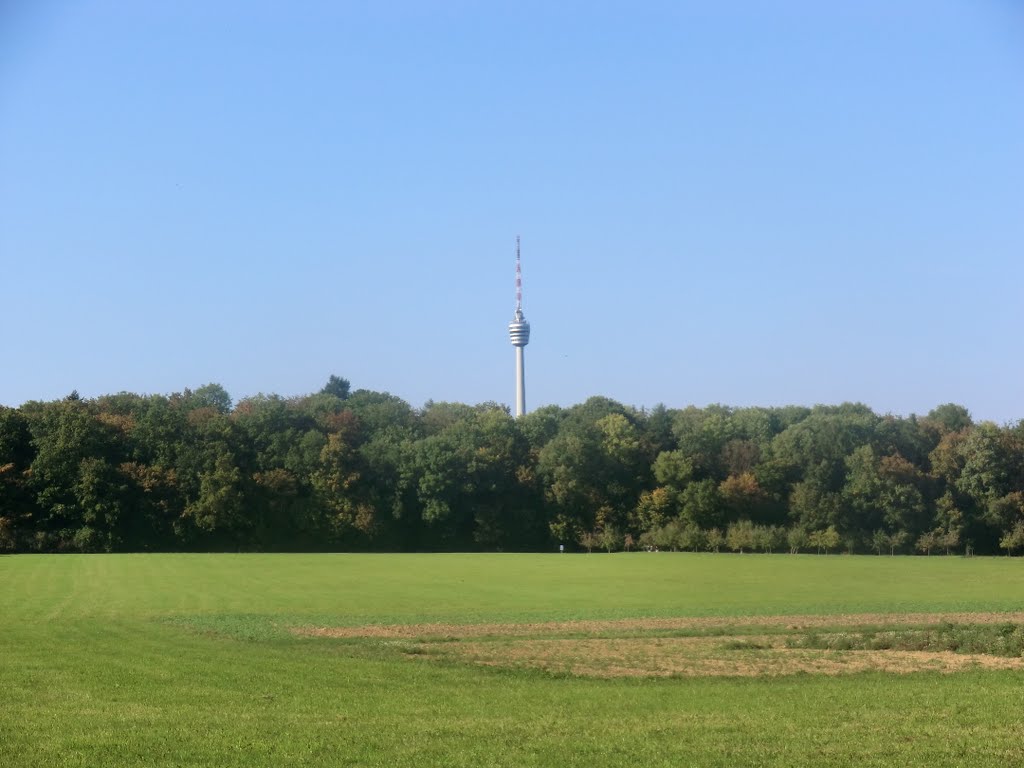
<point>547,628</point>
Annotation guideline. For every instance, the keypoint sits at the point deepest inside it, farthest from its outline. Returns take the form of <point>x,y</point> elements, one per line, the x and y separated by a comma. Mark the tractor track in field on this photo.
<point>696,624</point>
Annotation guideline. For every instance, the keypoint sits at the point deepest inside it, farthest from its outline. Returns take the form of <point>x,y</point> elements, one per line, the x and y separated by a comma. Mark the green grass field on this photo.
<point>187,660</point>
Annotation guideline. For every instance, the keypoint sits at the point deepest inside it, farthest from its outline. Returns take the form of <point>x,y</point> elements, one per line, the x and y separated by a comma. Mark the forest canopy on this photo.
<point>348,470</point>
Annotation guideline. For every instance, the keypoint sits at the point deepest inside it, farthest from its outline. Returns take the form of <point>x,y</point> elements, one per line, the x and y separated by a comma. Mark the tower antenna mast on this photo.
<point>519,280</point>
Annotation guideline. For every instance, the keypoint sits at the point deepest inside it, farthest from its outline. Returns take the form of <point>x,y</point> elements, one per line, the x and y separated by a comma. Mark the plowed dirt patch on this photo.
<point>701,624</point>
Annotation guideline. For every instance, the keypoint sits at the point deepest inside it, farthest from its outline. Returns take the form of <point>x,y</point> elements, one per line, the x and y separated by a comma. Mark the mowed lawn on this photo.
<point>187,660</point>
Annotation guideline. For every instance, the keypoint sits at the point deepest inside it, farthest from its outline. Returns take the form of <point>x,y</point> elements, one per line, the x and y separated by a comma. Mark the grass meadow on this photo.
<point>280,660</point>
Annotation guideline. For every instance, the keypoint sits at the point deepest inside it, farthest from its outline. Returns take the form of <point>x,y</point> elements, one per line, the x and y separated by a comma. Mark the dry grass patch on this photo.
<point>706,657</point>
<point>751,646</point>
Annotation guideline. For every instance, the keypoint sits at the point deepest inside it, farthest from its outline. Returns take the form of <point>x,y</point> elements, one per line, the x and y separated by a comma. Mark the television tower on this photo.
<point>519,335</point>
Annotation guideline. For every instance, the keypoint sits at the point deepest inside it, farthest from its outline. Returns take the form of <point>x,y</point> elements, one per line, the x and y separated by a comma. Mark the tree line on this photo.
<point>363,470</point>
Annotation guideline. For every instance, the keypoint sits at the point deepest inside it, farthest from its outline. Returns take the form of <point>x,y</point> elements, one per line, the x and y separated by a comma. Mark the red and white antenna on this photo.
<point>519,280</point>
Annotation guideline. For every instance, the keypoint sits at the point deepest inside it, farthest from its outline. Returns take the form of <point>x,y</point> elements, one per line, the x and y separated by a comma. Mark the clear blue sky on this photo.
<point>753,203</point>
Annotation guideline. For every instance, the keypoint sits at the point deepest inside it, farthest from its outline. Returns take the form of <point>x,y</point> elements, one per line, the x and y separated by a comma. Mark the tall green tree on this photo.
<point>16,455</point>
<point>336,386</point>
<point>67,439</point>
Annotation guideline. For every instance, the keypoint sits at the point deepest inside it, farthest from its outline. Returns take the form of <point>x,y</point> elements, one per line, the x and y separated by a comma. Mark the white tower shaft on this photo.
<point>520,383</point>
